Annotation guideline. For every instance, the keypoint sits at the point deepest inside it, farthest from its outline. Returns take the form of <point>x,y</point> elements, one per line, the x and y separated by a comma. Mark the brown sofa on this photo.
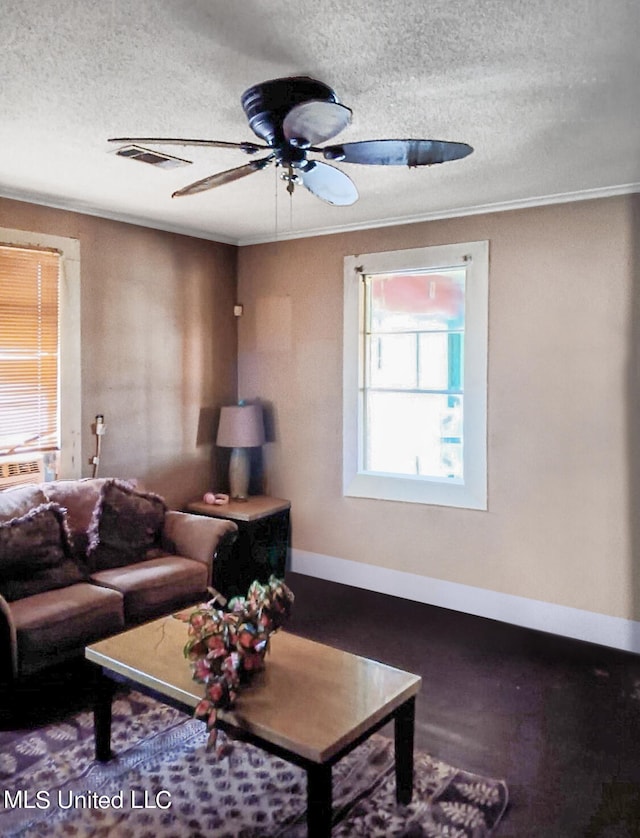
<point>83,559</point>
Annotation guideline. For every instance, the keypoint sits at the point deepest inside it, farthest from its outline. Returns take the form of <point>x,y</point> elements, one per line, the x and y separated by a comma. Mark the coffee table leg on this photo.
<point>102,718</point>
<point>404,731</point>
<point>319,801</point>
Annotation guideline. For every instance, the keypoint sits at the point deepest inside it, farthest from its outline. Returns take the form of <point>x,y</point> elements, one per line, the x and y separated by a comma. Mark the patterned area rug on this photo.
<point>164,784</point>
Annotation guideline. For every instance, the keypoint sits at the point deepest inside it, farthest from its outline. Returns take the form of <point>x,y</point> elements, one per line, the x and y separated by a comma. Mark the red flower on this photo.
<point>201,670</point>
<point>215,691</point>
<point>202,709</point>
<point>245,639</point>
<point>252,661</point>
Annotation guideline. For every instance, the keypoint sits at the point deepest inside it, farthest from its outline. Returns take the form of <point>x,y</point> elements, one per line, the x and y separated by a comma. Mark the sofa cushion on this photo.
<point>156,586</point>
<point>126,524</point>
<point>80,498</point>
<point>35,553</point>
<point>52,624</point>
<point>19,500</point>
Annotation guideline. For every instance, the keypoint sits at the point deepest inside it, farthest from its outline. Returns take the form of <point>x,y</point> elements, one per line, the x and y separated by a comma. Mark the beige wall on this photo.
<point>562,524</point>
<point>159,344</point>
<point>159,358</point>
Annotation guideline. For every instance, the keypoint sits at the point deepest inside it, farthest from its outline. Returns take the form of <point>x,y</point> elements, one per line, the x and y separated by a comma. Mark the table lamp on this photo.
<point>241,427</point>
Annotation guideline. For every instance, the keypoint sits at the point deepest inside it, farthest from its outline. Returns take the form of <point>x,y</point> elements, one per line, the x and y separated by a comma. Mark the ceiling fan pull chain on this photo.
<point>291,210</point>
<point>275,196</point>
<point>291,185</point>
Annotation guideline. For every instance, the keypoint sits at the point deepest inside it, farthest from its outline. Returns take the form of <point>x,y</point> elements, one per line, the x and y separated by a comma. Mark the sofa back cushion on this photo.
<point>126,525</point>
<point>19,500</point>
<point>35,554</point>
<point>80,498</point>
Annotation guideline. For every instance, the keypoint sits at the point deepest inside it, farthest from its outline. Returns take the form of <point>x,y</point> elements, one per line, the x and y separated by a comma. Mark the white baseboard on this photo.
<point>615,632</point>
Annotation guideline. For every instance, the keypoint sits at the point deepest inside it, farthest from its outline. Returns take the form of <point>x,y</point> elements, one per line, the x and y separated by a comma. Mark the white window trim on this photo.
<point>70,382</point>
<point>470,493</point>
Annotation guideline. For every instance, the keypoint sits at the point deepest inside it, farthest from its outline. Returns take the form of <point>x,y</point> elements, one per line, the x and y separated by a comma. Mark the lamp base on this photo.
<point>239,470</point>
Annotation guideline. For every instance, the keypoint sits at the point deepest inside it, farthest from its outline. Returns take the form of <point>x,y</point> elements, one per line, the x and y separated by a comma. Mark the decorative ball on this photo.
<point>209,497</point>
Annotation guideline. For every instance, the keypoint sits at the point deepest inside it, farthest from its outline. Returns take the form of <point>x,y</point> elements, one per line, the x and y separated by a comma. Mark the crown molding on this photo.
<point>44,200</point>
<point>438,215</point>
<point>479,209</point>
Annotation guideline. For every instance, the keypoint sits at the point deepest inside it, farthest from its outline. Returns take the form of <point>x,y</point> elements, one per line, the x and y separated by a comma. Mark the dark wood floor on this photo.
<point>559,720</point>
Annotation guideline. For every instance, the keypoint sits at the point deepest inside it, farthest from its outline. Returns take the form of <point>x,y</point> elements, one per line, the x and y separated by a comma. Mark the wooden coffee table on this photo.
<point>311,705</point>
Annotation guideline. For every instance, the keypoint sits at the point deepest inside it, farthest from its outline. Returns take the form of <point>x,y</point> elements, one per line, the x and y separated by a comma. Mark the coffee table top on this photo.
<point>310,699</point>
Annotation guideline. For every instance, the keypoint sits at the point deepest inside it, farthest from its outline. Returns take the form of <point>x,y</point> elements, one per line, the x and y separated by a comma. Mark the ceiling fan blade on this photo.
<point>224,177</point>
<point>315,121</point>
<point>397,152</point>
<point>329,184</point>
<point>248,148</point>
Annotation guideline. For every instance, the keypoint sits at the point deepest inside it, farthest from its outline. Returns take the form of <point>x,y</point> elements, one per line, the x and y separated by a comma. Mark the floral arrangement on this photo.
<point>225,646</point>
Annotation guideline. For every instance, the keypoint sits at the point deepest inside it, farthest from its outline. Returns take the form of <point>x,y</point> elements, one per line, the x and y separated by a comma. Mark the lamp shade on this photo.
<point>241,426</point>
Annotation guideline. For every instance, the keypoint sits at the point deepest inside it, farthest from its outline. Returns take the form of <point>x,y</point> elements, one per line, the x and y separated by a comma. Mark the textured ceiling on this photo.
<point>546,93</point>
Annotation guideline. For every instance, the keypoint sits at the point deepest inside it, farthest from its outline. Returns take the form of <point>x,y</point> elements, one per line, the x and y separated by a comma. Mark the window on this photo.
<point>415,361</point>
<point>29,292</point>
<point>40,347</point>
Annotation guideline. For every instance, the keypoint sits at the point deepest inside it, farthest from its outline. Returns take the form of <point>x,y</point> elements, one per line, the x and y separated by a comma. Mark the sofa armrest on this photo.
<point>8,643</point>
<point>198,537</point>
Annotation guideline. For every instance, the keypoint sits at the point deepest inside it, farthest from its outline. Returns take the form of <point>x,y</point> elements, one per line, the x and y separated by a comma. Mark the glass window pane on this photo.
<point>393,361</point>
<point>414,434</point>
<point>403,302</point>
<point>441,361</point>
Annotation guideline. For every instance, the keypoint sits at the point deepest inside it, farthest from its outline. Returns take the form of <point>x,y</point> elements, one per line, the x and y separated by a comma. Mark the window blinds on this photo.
<point>29,300</point>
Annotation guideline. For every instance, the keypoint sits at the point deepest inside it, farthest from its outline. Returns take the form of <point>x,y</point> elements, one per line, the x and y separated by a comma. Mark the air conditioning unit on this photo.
<point>19,469</point>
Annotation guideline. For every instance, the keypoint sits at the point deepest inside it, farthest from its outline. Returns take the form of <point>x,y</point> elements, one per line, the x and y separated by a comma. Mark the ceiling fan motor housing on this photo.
<point>267,104</point>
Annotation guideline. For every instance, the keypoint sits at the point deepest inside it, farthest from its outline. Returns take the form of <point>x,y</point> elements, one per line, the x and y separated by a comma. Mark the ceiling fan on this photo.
<point>292,115</point>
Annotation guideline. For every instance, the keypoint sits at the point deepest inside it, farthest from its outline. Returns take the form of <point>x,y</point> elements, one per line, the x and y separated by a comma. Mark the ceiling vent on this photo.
<point>154,158</point>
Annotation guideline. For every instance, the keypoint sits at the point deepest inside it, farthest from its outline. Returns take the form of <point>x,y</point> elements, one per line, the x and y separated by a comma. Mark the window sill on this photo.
<point>417,490</point>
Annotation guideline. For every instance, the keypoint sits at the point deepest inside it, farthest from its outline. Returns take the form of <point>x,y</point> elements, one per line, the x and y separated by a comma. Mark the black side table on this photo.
<point>262,545</point>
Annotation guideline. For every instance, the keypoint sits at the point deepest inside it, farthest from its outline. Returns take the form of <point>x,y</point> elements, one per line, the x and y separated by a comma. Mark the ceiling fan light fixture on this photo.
<point>291,177</point>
